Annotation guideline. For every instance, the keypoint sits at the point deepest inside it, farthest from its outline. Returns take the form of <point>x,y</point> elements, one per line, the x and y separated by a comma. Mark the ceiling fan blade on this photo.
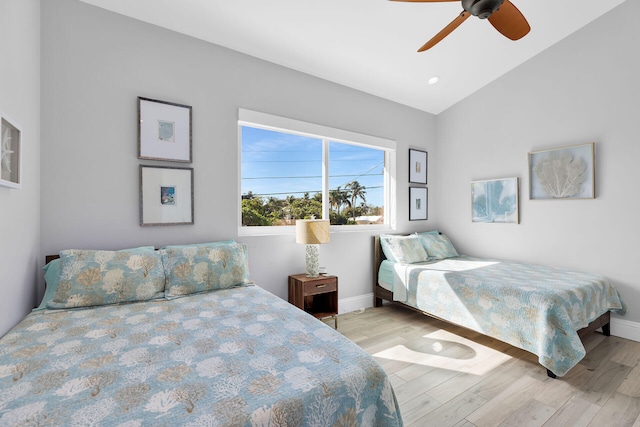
<point>445,31</point>
<point>509,21</point>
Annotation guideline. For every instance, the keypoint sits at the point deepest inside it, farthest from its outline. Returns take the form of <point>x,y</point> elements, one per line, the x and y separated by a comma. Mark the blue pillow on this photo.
<point>200,268</point>
<point>438,246</point>
<point>403,249</point>
<point>90,278</point>
<point>210,244</point>
<point>51,278</point>
<point>436,232</point>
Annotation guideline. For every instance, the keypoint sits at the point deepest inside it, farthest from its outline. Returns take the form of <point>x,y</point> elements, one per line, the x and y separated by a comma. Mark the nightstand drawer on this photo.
<point>320,286</point>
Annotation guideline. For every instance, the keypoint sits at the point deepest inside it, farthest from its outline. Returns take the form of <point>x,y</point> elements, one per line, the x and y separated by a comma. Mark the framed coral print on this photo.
<point>418,205</point>
<point>166,195</point>
<point>495,200</point>
<point>562,173</point>
<point>11,150</point>
<point>417,166</point>
<point>164,131</point>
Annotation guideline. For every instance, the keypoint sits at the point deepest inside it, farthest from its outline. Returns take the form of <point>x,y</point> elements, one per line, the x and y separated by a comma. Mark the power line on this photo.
<point>365,173</point>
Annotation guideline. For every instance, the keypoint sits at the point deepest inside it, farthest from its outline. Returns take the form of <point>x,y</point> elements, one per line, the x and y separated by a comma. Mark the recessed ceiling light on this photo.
<point>433,80</point>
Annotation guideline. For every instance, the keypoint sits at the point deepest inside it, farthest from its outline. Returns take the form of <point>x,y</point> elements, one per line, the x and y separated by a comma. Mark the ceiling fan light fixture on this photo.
<point>485,14</point>
<point>481,8</point>
<point>433,80</point>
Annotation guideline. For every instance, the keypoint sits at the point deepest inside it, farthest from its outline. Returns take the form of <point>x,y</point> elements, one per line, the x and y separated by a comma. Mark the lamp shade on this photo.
<point>312,231</point>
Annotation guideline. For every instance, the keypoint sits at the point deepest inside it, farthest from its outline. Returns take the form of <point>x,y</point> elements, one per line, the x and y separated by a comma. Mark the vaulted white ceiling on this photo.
<point>370,45</point>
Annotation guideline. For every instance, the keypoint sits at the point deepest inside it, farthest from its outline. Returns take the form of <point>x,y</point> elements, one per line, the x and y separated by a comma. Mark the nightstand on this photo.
<point>317,296</point>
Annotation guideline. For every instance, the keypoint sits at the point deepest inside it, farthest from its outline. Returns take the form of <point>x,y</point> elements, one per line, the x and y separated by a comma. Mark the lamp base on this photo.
<point>313,265</point>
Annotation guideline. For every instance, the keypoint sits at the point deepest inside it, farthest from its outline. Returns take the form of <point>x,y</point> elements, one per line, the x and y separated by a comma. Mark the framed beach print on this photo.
<point>11,150</point>
<point>166,195</point>
<point>495,200</point>
<point>164,131</point>
<point>417,166</point>
<point>563,173</point>
<point>418,204</point>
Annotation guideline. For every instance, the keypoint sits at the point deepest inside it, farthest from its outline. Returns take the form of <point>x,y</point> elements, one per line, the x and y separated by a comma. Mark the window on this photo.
<point>295,170</point>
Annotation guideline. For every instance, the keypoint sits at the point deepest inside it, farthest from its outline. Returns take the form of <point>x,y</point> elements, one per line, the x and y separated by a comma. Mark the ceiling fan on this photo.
<point>502,14</point>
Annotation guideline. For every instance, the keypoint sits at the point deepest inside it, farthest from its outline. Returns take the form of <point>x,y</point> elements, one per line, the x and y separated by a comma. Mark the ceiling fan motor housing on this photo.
<point>481,8</point>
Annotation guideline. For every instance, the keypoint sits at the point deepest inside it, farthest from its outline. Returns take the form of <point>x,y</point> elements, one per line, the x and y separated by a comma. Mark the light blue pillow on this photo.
<point>209,244</point>
<point>90,278</point>
<point>386,247</point>
<point>52,277</point>
<point>193,269</point>
<point>438,246</point>
<point>436,232</point>
<point>403,249</point>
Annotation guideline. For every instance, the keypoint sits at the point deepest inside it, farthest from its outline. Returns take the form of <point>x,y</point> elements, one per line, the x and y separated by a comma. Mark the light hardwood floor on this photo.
<point>444,375</point>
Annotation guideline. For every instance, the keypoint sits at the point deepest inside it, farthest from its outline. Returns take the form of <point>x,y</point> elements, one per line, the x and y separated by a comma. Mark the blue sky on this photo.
<point>278,164</point>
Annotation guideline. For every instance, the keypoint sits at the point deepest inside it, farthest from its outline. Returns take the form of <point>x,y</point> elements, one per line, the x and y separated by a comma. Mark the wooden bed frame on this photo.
<point>380,294</point>
<point>49,258</point>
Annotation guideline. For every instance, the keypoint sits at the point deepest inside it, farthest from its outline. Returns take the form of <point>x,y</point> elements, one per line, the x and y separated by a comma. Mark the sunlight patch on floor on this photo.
<point>442,349</point>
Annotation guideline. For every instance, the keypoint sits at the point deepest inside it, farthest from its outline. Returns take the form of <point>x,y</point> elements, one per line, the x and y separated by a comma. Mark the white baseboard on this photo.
<point>625,329</point>
<point>347,305</point>
<point>619,327</point>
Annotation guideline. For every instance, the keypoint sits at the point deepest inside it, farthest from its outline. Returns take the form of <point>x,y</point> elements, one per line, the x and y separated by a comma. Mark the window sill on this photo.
<point>291,230</point>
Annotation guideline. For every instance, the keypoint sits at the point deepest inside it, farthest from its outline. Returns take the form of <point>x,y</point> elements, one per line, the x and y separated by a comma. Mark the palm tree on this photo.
<point>356,191</point>
<point>337,198</point>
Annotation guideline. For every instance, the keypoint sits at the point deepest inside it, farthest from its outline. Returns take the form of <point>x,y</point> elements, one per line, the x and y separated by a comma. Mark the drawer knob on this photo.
<point>321,286</point>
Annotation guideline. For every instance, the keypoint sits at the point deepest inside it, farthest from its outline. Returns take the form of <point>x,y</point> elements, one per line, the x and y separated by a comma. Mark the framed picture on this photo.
<point>417,166</point>
<point>563,173</point>
<point>495,200</point>
<point>418,204</point>
<point>164,131</point>
<point>11,151</point>
<point>166,195</point>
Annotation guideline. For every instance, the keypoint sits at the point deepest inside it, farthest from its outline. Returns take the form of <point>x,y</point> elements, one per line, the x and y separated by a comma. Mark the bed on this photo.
<point>180,337</point>
<point>543,310</point>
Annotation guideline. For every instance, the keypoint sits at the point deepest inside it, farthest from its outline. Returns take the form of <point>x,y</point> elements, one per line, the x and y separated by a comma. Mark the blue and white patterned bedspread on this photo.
<point>240,357</point>
<point>533,307</point>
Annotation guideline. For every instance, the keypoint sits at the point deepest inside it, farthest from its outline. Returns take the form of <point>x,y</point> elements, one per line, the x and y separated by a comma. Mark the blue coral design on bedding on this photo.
<point>200,268</point>
<point>230,357</point>
<point>533,307</point>
<point>92,278</point>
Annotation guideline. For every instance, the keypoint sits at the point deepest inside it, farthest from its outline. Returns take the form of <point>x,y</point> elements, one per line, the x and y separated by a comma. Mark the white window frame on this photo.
<point>326,134</point>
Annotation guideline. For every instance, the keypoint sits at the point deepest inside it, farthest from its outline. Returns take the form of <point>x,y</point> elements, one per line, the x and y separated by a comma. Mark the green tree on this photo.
<point>306,208</point>
<point>258,211</point>
<point>253,212</point>
<point>338,198</point>
<point>356,191</point>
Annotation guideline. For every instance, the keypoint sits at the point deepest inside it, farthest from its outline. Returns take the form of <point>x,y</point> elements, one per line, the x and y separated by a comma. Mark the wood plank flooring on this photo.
<point>444,375</point>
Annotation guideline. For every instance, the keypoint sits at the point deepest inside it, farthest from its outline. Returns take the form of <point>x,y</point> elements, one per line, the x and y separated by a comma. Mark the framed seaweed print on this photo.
<point>417,166</point>
<point>11,150</point>
<point>166,195</point>
<point>562,173</point>
<point>418,203</point>
<point>495,200</point>
<point>164,131</point>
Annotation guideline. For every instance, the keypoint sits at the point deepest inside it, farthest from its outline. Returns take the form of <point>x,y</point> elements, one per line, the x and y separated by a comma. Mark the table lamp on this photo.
<point>312,232</point>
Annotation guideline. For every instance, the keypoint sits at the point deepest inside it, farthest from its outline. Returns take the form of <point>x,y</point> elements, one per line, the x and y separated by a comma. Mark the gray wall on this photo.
<point>94,65</point>
<point>20,208</point>
<point>583,89</point>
